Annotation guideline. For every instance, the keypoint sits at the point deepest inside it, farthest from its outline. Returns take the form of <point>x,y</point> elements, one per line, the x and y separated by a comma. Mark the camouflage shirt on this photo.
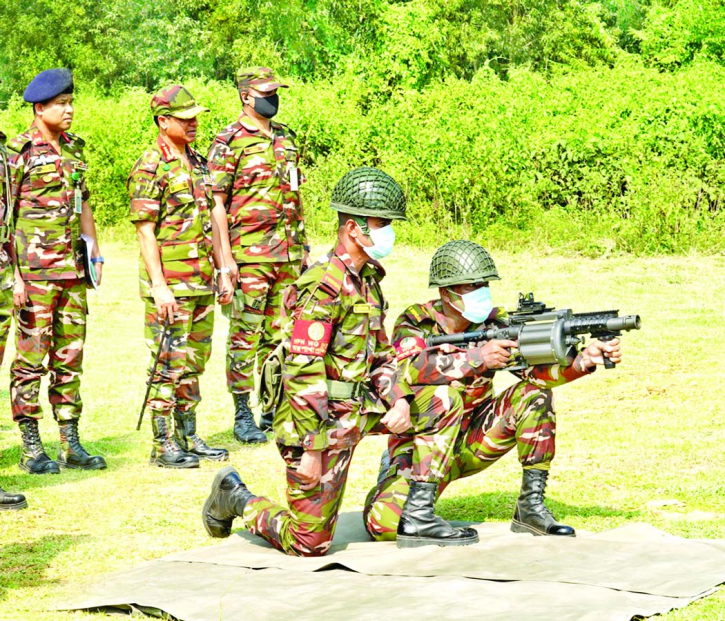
<point>460,367</point>
<point>47,222</point>
<point>5,201</point>
<point>178,200</point>
<point>334,331</point>
<point>257,173</point>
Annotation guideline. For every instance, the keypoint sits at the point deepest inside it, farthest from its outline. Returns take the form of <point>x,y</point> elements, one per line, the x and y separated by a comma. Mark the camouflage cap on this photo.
<point>367,191</point>
<point>176,101</point>
<point>461,262</point>
<point>259,78</point>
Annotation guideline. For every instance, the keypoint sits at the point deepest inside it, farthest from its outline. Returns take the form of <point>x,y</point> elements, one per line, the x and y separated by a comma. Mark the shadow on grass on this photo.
<point>499,506</point>
<point>23,565</point>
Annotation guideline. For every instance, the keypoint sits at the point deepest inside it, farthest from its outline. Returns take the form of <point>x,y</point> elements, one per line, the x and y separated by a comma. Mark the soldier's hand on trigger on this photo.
<point>398,417</point>
<point>165,302</point>
<point>310,469</point>
<point>225,288</point>
<point>496,354</point>
<point>593,354</point>
<point>20,294</point>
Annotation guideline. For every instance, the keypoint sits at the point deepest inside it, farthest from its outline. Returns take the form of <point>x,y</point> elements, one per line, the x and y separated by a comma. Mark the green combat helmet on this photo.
<point>461,262</point>
<point>368,191</point>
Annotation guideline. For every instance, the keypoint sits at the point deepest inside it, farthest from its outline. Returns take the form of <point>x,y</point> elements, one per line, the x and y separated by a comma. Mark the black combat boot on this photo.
<point>266,422</point>
<point>532,515</point>
<point>227,500</point>
<point>72,454</point>
<point>33,458</point>
<point>166,453</point>
<point>11,502</point>
<point>419,526</point>
<point>245,429</point>
<point>186,437</point>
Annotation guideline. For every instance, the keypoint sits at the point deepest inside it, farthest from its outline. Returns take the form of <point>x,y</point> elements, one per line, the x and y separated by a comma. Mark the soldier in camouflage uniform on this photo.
<point>339,377</point>
<point>254,165</point>
<point>8,501</point>
<point>51,212</point>
<point>453,379</point>
<point>170,190</point>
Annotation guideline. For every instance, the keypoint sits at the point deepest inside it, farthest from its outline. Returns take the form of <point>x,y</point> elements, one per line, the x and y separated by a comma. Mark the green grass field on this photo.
<point>652,430</point>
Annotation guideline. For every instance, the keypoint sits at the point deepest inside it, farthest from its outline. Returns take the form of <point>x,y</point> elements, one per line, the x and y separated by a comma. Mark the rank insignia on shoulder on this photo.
<point>363,309</point>
<point>408,346</point>
<point>310,338</point>
<point>255,148</point>
<point>44,169</point>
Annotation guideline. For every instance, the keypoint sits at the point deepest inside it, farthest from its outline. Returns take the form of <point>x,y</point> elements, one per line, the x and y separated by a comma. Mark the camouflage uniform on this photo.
<point>47,231</point>
<point>178,200</point>
<point>453,379</point>
<point>333,301</point>
<point>6,267</point>
<point>259,175</point>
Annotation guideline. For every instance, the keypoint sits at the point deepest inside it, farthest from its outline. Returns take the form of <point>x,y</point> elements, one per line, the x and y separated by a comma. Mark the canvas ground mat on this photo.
<point>635,570</point>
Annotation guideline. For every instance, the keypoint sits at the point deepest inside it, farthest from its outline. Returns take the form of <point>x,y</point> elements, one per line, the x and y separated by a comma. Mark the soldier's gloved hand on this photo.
<point>165,302</point>
<point>593,354</point>
<point>225,289</point>
<point>20,294</point>
<point>398,417</point>
<point>496,354</point>
<point>310,469</point>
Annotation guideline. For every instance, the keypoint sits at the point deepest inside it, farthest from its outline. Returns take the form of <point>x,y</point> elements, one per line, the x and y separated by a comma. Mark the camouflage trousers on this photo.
<point>521,416</point>
<point>175,385</point>
<point>52,323</point>
<point>6,306</point>
<point>254,318</point>
<point>307,527</point>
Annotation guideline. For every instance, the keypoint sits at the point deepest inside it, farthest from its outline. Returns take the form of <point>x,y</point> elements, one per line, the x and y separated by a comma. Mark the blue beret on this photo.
<point>48,84</point>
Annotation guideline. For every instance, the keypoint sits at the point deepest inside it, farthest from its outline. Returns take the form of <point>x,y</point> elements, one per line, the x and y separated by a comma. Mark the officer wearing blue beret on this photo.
<point>54,225</point>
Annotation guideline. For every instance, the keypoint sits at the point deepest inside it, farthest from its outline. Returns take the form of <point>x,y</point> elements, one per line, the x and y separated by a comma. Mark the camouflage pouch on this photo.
<point>270,385</point>
<point>235,308</point>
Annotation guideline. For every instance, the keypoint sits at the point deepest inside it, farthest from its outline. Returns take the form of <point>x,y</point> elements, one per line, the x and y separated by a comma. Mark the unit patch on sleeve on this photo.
<point>408,346</point>
<point>310,338</point>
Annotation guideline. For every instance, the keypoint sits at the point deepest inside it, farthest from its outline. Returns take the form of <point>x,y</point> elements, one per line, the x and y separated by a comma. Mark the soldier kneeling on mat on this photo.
<point>454,379</point>
<point>340,383</point>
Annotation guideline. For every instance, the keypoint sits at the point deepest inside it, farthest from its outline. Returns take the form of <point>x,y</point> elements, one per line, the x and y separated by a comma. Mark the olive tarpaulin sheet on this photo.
<point>634,570</point>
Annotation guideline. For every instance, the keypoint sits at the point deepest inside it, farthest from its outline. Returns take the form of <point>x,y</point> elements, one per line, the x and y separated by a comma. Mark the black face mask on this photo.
<point>266,106</point>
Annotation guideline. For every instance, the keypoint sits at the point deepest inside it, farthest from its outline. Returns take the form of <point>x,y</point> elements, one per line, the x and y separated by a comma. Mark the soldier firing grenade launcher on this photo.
<point>546,335</point>
<point>165,335</point>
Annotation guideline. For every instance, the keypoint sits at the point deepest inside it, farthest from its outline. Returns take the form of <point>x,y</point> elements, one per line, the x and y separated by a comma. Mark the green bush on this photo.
<point>601,160</point>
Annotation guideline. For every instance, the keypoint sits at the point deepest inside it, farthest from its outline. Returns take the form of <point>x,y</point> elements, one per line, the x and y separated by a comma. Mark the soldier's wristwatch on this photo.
<point>225,269</point>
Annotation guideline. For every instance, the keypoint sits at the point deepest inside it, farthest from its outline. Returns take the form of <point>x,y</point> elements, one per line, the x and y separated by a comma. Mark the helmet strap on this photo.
<point>362,222</point>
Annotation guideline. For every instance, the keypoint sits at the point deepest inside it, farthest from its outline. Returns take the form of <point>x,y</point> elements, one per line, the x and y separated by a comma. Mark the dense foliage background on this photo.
<point>588,127</point>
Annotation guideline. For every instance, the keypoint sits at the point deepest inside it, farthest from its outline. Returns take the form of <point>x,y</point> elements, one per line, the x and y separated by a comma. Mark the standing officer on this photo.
<point>254,166</point>
<point>7,500</point>
<point>170,191</point>
<point>452,379</point>
<point>51,212</point>
<point>339,378</point>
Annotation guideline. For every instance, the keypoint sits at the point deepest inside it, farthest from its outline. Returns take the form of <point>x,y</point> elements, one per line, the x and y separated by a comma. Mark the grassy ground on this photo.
<point>650,431</point>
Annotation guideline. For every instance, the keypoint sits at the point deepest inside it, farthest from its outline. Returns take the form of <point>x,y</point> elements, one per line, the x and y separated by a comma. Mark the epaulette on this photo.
<point>20,143</point>
<point>149,161</point>
<point>287,129</point>
<point>75,139</point>
<point>227,134</point>
<point>324,285</point>
<point>416,312</point>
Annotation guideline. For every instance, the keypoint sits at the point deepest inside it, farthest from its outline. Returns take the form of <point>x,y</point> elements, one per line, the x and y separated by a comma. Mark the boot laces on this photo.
<point>32,438</point>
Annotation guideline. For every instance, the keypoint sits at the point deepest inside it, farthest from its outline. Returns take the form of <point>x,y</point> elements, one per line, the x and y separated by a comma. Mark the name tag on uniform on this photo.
<point>43,170</point>
<point>257,148</point>
<point>178,187</point>
<point>363,309</point>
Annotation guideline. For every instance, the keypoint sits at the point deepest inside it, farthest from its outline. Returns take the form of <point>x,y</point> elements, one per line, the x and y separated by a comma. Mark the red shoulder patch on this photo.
<point>310,338</point>
<point>408,346</point>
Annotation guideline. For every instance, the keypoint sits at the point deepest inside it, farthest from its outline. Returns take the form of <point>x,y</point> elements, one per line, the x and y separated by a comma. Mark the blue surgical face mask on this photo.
<point>477,304</point>
<point>383,241</point>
